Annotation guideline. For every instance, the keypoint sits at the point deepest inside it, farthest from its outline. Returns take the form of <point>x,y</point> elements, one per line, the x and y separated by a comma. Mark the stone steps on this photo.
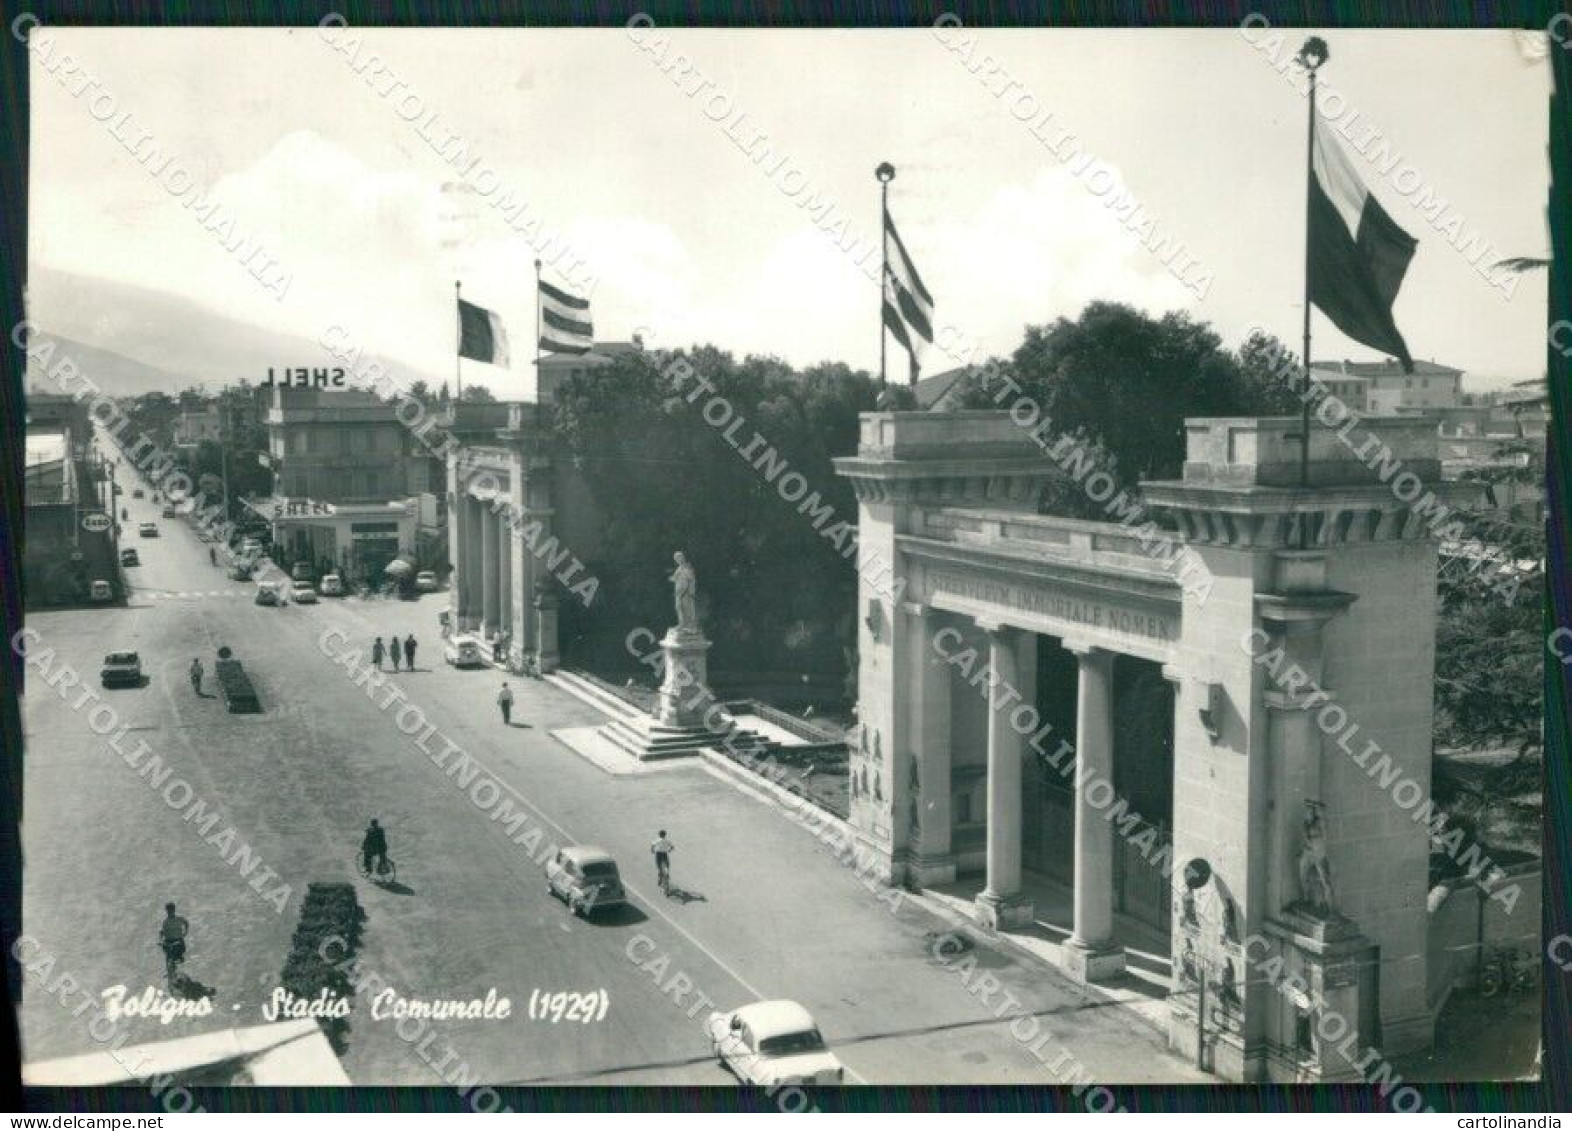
<point>596,696</point>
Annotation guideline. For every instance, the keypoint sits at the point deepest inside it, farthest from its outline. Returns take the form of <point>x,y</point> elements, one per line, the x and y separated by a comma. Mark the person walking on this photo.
<point>376,652</point>
<point>662,849</point>
<point>196,676</point>
<point>409,652</point>
<point>172,934</point>
<point>393,650</point>
<point>505,701</point>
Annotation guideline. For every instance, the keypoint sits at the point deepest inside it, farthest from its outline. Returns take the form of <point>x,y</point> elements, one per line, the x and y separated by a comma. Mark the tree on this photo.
<point>1271,373</point>
<point>478,394</point>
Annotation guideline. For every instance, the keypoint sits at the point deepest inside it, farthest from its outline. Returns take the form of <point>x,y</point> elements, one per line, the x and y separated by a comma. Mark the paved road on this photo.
<point>772,913</point>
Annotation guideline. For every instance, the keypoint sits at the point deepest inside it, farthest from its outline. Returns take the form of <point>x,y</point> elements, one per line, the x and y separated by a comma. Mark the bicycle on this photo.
<point>174,957</point>
<point>384,872</point>
<point>663,874</point>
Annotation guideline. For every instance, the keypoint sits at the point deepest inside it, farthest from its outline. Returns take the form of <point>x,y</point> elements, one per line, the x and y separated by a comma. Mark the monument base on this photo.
<point>1321,1033</point>
<point>685,696</point>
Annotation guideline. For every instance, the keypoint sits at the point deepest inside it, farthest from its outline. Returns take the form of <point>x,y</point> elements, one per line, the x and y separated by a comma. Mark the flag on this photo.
<point>1358,254</point>
<point>565,325</point>
<point>908,307</point>
<point>482,336</point>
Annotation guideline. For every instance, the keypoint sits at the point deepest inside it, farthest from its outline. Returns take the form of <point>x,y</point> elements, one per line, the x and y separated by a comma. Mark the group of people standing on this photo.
<point>393,649</point>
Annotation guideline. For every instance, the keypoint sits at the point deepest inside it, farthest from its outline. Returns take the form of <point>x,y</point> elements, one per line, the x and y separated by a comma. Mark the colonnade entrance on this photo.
<point>1085,703</point>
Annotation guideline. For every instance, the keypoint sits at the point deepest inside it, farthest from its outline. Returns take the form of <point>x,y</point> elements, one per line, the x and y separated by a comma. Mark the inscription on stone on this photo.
<point>1075,610</point>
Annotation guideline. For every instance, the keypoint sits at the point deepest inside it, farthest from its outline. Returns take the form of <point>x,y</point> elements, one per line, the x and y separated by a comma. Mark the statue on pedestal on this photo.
<point>1315,875</point>
<point>685,584</point>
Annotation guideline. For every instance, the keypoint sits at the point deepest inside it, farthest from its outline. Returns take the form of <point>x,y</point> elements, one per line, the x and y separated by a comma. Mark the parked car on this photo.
<point>121,668</point>
<point>148,530</point>
<point>773,1043</point>
<point>128,557</point>
<point>241,571</point>
<point>302,593</point>
<point>99,590</point>
<point>303,571</point>
<point>169,512</point>
<point>585,878</point>
<point>331,585</point>
<point>426,581</point>
<point>463,652</point>
<point>137,493</point>
<point>268,594</point>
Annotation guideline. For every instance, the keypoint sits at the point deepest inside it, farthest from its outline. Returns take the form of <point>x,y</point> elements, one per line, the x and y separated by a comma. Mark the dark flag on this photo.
<point>482,336</point>
<point>1358,254</point>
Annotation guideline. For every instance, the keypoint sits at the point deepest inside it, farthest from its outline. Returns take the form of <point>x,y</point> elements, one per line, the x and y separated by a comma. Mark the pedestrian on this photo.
<point>196,676</point>
<point>409,652</point>
<point>394,650</point>
<point>172,934</point>
<point>505,701</point>
<point>376,652</point>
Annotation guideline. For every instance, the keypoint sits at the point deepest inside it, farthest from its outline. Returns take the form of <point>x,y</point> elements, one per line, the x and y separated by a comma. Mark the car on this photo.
<point>331,585</point>
<point>773,1043</point>
<point>250,546</point>
<point>121,668</point>
<point>302,593</point>
<point>128,557</point>
<point>138,493</point>
<point>585,878</point>
<point>426,581</point>
<point>302,571</point>
<point>99,590</point>
<point>240,571</point>
<point>463,652</point>
<point>268,594</point>
<point>148,530</point>
<point>169,512</point>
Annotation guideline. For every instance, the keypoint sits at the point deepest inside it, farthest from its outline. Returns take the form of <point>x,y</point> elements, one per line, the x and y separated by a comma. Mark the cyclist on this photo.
<point>172,940</point>
<point>196,676</point>
<point>663,848</point>
<point>374,849</point>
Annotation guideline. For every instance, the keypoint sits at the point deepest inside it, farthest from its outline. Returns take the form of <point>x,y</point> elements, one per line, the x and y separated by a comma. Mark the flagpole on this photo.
<point>885,174</point>
<point>1311,56</point>
<point>458,352</point>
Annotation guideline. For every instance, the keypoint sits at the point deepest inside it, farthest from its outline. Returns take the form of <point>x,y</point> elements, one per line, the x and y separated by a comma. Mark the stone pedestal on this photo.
<point>1324,1029</point>
<point>687,717</point>
<point>684,690</point>
<point>1003,912</point>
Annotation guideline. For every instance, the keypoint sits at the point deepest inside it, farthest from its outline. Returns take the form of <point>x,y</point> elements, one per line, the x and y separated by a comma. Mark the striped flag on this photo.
<point>908,307</point>
<point>482,337</point>
<point>1358,254</point>
<point>565,325</point>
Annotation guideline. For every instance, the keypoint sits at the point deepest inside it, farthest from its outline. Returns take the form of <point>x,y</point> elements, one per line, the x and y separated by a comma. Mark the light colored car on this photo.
<point>99,590</point>
<point>463,652</point>
<point>302,593</point>
<point>121,668</point>
<point>332,585</point>
<point>773,1043</point>
<point>269,594</point>
<point>148,530</point>
<point>585,878</point>
<point>426,581</point>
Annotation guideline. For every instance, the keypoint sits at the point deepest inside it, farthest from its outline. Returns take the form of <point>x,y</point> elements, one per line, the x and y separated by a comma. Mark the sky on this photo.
<point>688,239</point>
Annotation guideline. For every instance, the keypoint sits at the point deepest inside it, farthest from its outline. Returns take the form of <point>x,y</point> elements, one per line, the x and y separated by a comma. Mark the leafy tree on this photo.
<point>478,394</point>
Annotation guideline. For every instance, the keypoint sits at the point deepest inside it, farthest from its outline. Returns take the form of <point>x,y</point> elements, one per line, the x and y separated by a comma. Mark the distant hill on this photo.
<point>152,340</point>
<point>112,372</point>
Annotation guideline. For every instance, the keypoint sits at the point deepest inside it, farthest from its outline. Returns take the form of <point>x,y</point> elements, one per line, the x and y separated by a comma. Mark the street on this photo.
<point>470,912</point>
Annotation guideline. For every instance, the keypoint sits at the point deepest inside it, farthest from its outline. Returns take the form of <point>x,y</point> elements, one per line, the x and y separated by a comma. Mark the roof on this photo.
<point>588,854</point>
<point>603,353</point>
<point>933,390</point>
<point>1388,368</point>
<point>775,1018</point>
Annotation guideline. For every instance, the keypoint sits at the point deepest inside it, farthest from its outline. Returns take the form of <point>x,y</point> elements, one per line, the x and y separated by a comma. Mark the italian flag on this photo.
<point>1357,253</point>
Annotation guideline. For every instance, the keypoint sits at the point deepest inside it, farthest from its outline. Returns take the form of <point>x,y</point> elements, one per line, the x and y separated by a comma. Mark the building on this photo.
<point>197,426</point>
<point>1249,836</point>
<point>69,495</point>
<point>348,479</point>
<point>1390,391</point>
<point>553,370</point>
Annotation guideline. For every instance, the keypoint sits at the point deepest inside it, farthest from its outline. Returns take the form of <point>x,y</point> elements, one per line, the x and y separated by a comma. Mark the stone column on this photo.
<point>1001,904</point>
<point>458,552</point>
<point>505,617</point>
<point>1091,952</point>
<point>490,568</point>
<point>928,801</point>
<point>475,601</point>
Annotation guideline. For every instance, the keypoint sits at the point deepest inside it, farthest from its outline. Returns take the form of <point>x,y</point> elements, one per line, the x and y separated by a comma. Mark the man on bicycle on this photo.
<point>374,849</point>
<point>662,848</point>
<point>172,939</point>
<point>196,675</point>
